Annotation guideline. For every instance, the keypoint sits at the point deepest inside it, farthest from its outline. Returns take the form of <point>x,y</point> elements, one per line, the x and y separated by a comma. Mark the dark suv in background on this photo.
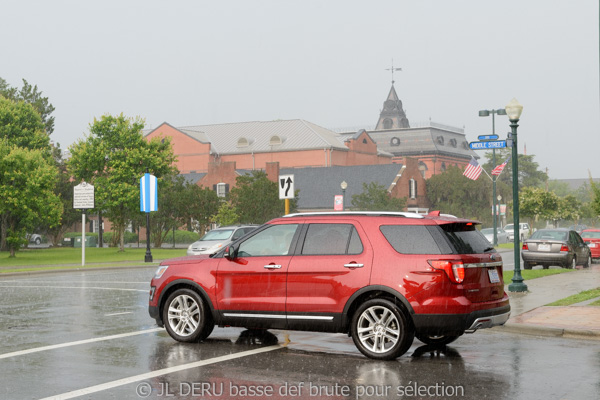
<point>382,278</point>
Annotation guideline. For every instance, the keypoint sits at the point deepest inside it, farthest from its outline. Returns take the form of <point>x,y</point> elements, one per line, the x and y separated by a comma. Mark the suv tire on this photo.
<point>436,339</point>
<point>381,330</point>
<point>185,316</point>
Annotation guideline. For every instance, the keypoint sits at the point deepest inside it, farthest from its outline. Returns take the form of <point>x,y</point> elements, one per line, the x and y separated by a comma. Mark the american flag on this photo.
<point>498,170</point>
<point>473,170</point>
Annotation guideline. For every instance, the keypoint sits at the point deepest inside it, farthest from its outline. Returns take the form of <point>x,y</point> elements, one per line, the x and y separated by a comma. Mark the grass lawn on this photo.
<point>578,298</point>
<point>70,255</point>
<point>529,274</point>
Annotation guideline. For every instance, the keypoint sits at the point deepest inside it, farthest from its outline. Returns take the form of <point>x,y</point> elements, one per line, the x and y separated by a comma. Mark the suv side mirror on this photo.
<point>230,252</point>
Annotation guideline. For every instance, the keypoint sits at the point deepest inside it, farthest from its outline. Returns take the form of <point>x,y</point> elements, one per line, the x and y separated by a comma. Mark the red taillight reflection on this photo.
<point>454,269</point>
<point>525,247</point>
<point>564,247</point>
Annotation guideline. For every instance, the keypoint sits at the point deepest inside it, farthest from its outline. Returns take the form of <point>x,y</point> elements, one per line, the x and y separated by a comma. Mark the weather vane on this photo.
<point>393,69</point>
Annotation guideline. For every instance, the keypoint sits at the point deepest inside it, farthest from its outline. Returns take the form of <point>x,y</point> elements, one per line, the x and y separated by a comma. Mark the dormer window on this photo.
<point>244,142</point>
<point>276,140</point>
<point>440,140</point>
<point>453,142</point>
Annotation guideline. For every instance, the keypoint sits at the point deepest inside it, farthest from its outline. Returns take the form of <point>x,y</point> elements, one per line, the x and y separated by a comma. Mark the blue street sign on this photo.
<point>494,144</point>
<point>148,193</point>
<point>487,137</point>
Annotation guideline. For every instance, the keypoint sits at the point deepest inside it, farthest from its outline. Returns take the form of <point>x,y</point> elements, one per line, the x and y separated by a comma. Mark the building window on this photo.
<point>388,123</point>
<point>412,189</point>
<point>222,189</point>
<point>244,142</point>
<point>443,167</point>
<point>276,140</point>
<point>440,140</point>
<point>395,141</point>
<point>453,142</point>
<point>423,168</point>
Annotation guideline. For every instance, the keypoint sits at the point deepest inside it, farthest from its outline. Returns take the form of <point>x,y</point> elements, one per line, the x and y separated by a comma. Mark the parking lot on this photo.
<point>88,335</point>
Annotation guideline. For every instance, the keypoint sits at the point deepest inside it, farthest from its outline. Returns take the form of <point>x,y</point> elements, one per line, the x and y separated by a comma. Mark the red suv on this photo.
<point>381,277</point>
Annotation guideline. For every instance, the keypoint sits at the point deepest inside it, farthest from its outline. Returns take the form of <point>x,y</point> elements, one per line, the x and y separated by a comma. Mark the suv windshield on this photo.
<point>218,234</point>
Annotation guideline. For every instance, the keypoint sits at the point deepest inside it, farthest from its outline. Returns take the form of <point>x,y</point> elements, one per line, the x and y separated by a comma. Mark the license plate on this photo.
<point>493,274</point>
<point>592,245</point>
<point>544,247</point>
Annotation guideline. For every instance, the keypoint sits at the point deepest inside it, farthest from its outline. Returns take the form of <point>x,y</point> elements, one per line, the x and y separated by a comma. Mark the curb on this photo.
<point>76,269</point>
<point>548,331</point>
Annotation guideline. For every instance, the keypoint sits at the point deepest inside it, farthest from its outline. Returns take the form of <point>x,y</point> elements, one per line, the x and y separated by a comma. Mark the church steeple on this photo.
<point>392,116</point>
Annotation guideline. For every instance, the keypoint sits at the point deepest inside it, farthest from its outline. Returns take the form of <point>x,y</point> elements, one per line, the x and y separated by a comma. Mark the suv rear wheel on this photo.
<point>380,330</point>
<point>185,316</point>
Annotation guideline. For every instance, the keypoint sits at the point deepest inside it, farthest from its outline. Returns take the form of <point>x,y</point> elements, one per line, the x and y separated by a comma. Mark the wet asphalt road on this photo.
<point>88,335</point>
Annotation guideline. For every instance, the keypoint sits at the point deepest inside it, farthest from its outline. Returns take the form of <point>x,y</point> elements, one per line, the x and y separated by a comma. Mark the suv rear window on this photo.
<point>437,239</point>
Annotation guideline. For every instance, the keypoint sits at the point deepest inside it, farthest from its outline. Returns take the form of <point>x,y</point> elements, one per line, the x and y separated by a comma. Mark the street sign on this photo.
<point>148,193</point>
<point>338,202</point>
<point>83,196</point>
<point>286,186</point>
<point>487,137</point>
<point>493,144</point>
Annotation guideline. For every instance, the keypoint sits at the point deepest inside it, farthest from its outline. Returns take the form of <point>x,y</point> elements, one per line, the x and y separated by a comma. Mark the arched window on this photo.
<point>423,168</point>
<point>412,189</point>
<point>276,140</point>
<point>388,123</point>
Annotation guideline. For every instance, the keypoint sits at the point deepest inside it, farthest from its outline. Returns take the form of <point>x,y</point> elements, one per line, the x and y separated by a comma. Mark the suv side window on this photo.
<point>332,239</point>
<point>411,239</point>
<point>273,241</point>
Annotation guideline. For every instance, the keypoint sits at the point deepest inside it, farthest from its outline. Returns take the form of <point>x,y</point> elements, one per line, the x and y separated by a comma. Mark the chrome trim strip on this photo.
<point>274,316</point>
<point>488,322</point>
<point>484,265</point>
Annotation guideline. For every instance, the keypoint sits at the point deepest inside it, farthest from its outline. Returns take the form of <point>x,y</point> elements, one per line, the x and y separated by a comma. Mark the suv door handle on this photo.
<point>353,265</point>
<point>272,266</point>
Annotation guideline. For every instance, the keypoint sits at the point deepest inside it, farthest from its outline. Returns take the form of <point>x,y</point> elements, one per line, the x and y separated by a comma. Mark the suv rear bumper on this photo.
<point>457,324</point>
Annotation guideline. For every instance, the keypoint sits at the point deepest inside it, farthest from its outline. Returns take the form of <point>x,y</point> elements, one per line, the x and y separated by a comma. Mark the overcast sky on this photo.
<point>208,62</point>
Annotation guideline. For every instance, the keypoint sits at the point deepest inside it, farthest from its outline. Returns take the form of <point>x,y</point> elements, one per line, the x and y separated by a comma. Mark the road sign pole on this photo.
<point>287,206</point>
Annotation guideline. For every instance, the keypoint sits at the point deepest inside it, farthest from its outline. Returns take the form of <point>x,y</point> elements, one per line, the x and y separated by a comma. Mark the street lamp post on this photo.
<point>513,110</point>
<point>343,185</point>
<point>486,113</point>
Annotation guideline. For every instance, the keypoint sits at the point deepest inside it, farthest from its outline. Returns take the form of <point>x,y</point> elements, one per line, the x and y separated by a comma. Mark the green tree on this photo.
<point>226,215</point>
<point>31,94</point>
<point>64,190</point>
<point>375,197</point>
<point>595,202</point>
<point>453,193</point>
<point>113,158</point>
<point>256,199</point>
<point>27,198</point>
<point>536,203</point>
<point>22,126</point>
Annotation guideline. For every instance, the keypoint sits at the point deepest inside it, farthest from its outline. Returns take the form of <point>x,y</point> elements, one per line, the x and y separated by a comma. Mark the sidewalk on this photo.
<point>530,315</point>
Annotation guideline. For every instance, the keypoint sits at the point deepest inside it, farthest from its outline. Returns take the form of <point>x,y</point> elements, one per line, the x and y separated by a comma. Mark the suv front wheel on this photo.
<point>380,330</point>
<point>185,316</point>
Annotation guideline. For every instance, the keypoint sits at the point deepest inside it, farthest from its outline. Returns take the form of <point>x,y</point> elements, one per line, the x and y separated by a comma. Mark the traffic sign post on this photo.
<point>286,190</point>
<point>148,203</point>
<point>83,198</point>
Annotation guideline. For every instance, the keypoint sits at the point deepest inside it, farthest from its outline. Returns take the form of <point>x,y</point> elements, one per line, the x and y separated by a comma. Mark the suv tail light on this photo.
<point>564,247</point>
<point>454,269</point>
<point>525,246</point>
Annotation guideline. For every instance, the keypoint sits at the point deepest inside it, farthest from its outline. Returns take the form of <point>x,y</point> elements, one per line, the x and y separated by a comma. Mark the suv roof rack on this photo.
<point>369,213</point>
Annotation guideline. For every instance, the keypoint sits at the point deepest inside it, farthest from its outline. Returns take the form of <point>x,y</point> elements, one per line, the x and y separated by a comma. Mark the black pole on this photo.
<point>148,257</point>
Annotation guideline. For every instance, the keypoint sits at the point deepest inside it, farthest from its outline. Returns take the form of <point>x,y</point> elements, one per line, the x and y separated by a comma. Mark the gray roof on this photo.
<point>265,136</point>
<point>193,177</point>
<point>426,140</point>
<point>318,186</point>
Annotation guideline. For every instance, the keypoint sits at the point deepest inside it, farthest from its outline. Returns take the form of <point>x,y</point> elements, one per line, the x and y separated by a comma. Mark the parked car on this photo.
<point>380,277</point>
<point>562,247</point>
<point>215,239</point>
<point>34,238</point>
<point>524,231</point>
<point>501,235</point>
<point>592,238</point>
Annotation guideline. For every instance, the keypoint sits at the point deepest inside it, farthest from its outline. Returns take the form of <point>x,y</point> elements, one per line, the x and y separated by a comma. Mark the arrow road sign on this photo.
<point>286,186</point>
<point>493,144</point>
<point>487,137</point>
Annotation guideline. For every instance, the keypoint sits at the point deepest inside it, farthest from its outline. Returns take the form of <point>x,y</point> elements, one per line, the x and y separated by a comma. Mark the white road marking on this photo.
<point>154,374</point>
<point>86,341</point>
<point>76,287</point>
<point>118,313</point>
